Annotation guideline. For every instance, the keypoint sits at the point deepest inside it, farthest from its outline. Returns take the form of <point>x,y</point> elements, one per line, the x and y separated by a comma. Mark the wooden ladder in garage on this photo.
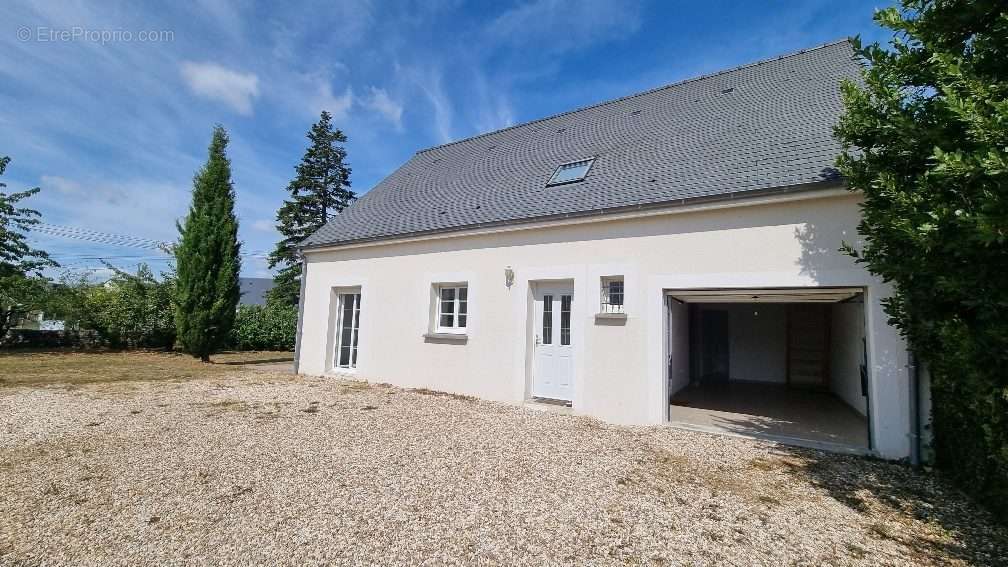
<point>808,341</point>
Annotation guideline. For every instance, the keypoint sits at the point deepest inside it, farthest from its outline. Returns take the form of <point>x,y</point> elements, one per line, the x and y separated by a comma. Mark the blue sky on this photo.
<point>112,125</point>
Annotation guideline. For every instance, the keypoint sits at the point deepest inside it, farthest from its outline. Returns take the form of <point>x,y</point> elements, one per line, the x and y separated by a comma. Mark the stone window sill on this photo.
<point>458,338</point>
<point>610,318</point>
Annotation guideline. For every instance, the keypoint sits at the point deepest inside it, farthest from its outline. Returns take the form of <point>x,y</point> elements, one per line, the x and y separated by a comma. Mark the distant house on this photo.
<point>36,321</point>
<point>254,290</point>
<point>667,257</point>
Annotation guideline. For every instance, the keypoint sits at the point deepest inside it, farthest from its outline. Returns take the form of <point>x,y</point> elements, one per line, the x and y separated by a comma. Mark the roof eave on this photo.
<point>669,204</point>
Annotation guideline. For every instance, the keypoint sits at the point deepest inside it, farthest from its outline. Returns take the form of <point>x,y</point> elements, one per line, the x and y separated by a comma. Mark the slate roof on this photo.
<point>254,290</point>
<point>759,127</point>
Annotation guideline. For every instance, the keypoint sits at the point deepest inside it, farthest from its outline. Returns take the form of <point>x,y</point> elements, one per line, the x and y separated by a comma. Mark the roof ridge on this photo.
<point>642,93</point>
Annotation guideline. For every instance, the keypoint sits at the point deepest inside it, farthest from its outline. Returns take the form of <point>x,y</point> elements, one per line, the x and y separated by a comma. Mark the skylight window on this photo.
<point>570,172</point>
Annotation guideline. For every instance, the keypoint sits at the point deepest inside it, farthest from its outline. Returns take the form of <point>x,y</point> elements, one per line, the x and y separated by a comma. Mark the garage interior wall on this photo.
<point>677,319</point>
<point>757,340</point>
<point>847,353</point>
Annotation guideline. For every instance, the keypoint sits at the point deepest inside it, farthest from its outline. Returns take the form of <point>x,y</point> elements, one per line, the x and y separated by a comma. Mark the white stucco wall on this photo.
<point>619,370</point>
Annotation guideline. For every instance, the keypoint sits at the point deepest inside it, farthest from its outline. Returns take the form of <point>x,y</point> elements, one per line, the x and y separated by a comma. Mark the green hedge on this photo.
<point>969,392</point>
<point>925,138</point>
<point>265,327</point>
<point>128,311</point>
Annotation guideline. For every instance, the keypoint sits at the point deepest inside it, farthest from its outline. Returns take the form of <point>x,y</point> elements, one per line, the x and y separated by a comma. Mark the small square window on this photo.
<point>612,295</point>
<point>570,172</point>
<point>452,308</point>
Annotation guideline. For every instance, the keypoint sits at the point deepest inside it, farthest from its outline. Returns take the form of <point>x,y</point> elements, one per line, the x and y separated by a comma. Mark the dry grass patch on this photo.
<point>440,394</point>
<point>226,406</point>
<point>664,470</point>
<point>352,387</point>
<point>41,368</point>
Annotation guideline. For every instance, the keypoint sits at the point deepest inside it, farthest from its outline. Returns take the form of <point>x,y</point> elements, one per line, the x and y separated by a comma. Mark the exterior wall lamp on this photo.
<point>508,276</point>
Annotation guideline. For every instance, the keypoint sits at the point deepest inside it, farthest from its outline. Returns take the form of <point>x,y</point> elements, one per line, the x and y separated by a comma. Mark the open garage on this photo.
<point>784,364</point>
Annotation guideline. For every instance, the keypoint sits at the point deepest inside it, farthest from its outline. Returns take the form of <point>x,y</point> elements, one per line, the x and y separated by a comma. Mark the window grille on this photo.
<point>452,309</point>
<point>565,319</point>
<point>612,295</point>
<point>547,320</point>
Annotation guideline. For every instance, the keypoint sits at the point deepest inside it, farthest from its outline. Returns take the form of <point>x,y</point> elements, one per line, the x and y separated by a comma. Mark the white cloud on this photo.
<point>225,13</point>
<point>138,206</point>
<point>215,82</point>
<point>258,267</point>
<point>100,193</point>
<point>428,81</point>
<point>494,115</point>
<point>61,184</point>
<point>494,109</point>
<point>324,99</point>
<point>379,101</point>
<point>561,25</point>
<point>265,225</point>
<point>306,94</point>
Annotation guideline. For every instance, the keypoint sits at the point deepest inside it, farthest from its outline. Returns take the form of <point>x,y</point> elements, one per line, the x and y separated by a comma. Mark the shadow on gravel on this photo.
<point>914,507</point>
<point>905,503</point>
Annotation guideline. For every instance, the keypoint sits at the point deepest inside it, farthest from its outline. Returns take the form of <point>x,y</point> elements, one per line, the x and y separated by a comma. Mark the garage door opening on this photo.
<point>783,364</point>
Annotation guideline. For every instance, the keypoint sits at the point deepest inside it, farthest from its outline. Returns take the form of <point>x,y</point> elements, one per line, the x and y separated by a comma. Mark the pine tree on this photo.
<point>207,257</point>
<point>319,192</point>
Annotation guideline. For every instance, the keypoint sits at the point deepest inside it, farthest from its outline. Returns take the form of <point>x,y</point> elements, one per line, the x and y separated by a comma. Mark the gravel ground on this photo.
<point>265,468</point>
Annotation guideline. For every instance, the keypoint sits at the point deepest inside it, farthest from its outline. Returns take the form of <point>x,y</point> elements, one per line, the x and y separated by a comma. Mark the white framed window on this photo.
<point>612,295</point>
<point>452,309</point>
<point>347,326</point>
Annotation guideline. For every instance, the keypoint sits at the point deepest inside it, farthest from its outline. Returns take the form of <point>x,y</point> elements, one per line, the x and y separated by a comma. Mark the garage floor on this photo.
<point>773,411</point>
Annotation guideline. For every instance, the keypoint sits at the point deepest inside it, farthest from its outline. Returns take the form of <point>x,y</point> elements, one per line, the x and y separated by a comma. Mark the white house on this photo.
<point>668,257</point>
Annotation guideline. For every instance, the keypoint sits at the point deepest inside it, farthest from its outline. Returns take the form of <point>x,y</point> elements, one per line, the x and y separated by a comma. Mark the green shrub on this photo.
<point>129,310</point>
<point>926,143</point>
<point>265,327</point>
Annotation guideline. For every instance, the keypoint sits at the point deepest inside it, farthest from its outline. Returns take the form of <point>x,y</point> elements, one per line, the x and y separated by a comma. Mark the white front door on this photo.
<point>553,367</point>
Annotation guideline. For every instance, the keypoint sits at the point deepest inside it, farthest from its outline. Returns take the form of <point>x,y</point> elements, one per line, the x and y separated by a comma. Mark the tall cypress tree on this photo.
<point>318,193</point>
<point>207,257</point>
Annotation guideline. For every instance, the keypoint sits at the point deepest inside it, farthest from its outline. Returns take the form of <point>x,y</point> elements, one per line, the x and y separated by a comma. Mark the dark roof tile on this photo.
<point>763,125</point>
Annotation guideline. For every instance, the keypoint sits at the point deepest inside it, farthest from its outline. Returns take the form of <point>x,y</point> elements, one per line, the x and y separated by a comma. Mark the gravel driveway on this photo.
<point>262,467</point>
